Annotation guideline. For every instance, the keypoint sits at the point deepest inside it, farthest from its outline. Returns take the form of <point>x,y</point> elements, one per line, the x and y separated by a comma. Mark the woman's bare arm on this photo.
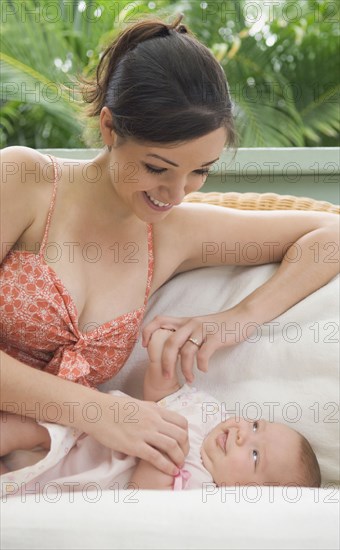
<point>27,391</point>
<point>134,427</point>
<point>305,243</point>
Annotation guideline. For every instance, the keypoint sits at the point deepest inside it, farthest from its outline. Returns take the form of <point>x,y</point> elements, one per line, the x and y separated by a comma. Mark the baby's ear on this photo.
<point>156,343</point>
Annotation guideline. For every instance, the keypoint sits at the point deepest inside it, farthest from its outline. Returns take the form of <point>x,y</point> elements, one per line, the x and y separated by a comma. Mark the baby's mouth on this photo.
<point>222,440</point>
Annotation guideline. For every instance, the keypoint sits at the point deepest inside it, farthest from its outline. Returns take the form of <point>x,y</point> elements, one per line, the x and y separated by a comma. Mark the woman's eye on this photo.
<point>153,170</point>
<point>255,426</point>
<point>202,172</point>
<point>161,170</point>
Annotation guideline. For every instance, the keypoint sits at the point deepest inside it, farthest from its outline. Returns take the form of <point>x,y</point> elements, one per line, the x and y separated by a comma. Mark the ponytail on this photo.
<point>160,84</point>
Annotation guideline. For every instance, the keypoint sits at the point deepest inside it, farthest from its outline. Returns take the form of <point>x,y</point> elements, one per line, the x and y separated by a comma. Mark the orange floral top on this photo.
<point>39,322</point>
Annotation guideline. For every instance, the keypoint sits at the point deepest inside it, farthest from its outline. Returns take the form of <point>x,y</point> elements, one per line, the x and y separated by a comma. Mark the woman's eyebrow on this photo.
<point>174,163</point>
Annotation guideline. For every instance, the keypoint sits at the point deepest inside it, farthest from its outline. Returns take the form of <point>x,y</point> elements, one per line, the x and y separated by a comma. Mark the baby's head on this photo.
<point>241,452</point>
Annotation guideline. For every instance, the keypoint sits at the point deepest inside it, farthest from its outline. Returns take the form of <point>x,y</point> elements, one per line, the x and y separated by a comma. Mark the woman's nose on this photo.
<point>176,191</point>
<point>176,195</point>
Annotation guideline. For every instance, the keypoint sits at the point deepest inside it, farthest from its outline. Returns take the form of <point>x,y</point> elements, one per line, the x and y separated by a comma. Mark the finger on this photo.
<point>155,346</point>
<point>173,348</point>
<point>169,446</point>
<point>157,459</point>
<point>206,351</point>
<point>187,358</point>
<point>175,426</point>
<point>175,418</point>
<point>170,323</point>
<point>187,352</point>
<point>179,435</point>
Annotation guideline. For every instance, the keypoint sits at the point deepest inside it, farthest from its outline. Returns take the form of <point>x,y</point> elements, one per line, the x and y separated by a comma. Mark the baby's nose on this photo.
<point>243,435</point>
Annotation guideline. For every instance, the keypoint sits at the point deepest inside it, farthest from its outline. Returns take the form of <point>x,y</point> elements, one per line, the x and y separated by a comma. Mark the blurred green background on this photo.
<point>281,58</point>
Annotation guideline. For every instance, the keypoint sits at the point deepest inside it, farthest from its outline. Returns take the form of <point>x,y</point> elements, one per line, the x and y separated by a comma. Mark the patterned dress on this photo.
<point>39,319</point>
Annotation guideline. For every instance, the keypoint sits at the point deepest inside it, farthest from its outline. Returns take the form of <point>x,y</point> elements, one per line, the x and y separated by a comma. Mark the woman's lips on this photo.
<point>154,206</point>
<point>222,440</point>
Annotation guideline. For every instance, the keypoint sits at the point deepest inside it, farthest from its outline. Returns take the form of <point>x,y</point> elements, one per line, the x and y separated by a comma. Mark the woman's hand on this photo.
<point>211,332</point>
<point>140,428</point>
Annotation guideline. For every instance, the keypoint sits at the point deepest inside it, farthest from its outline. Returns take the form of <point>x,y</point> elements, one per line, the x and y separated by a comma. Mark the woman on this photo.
<point>81,253</point>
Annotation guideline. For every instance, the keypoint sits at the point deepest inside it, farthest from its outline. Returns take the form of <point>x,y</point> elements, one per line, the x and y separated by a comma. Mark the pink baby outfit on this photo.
<point>39,319</point>
<point>77,462</point>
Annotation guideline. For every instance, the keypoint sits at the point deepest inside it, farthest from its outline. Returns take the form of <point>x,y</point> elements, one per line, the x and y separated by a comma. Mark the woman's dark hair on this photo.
<point>161,85</point>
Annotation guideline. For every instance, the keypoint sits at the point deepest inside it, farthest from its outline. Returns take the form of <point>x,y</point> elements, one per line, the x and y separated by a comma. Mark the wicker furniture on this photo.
<point>262,201</point>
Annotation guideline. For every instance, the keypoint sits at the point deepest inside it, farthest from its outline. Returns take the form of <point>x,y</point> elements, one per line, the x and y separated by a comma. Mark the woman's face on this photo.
<point>143,174</point>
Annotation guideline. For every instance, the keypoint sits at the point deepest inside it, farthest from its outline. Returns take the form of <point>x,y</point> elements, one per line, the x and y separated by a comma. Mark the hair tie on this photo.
<point>177,26</point>
<point>164,31</point>
<point>182,29</point>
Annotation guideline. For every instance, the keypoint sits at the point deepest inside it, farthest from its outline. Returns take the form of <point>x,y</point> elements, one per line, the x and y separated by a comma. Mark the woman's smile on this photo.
<point>156,204</point>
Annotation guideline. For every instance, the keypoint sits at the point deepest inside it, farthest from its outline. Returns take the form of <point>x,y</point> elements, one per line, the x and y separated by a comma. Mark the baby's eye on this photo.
<point>255,426</point>
<point>255,457</point>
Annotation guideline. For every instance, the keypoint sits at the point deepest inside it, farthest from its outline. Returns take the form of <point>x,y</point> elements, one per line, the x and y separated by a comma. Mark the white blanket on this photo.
<point>245,520</point>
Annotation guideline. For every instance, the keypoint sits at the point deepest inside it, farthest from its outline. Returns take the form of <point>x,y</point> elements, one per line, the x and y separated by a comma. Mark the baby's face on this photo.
<point>241,452</point>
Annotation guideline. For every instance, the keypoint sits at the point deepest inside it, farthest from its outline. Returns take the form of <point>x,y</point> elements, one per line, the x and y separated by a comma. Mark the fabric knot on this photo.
<point>181,480</point>
<point>73,365</point>
<point>80,343</point>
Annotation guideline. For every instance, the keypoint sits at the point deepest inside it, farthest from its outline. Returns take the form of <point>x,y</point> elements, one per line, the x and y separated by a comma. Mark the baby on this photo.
<point>226,453</point>
<point>234,451</point>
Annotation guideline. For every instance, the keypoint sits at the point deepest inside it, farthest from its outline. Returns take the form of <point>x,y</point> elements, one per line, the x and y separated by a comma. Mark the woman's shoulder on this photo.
<point>176,232</point>
<point>22,153</point>
<point>182,215</point>
<point>24,165</point>
<point>179,218</point>
<point>23,174</point>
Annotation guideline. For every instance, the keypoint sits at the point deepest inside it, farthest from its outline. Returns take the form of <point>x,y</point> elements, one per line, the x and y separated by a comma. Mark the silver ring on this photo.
<point>194,341</point>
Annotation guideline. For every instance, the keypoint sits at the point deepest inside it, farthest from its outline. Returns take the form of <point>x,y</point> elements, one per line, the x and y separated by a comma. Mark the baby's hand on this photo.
<point>156,385</point>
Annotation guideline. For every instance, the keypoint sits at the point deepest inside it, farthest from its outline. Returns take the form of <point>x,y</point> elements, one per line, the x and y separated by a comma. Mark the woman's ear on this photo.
<point>106,127</point>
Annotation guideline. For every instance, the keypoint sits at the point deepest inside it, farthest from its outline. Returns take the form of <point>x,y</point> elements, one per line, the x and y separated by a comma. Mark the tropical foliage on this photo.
<point>281,60</point>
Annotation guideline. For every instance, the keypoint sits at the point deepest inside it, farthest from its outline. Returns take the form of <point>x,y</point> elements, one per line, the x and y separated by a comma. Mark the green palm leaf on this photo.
<point>285,93</point>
